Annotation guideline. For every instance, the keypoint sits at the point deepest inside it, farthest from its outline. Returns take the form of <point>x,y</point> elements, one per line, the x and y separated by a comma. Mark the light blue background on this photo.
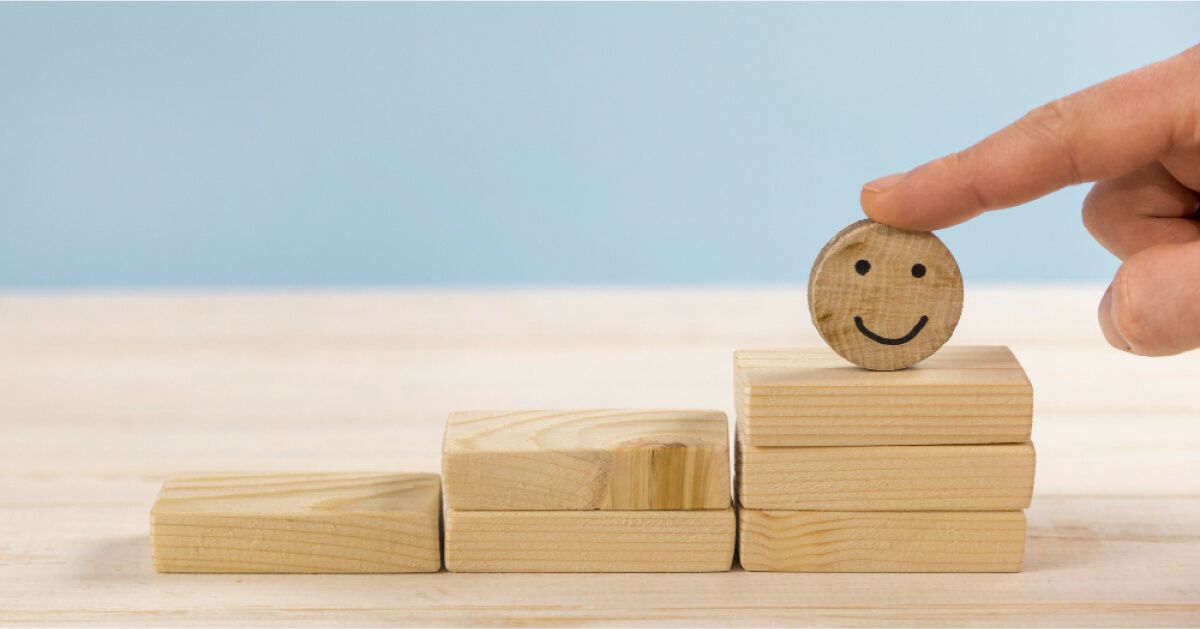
<point>148,145</point>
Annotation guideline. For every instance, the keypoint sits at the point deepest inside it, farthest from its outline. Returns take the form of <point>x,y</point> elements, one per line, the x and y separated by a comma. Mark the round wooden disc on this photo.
<point>885,298</point>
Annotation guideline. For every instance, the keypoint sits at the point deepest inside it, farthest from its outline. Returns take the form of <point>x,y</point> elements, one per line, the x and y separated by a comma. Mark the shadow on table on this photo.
<point>117,557</point>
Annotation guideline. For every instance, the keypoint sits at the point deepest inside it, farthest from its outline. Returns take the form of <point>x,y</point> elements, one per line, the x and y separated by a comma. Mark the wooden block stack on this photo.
<point>587,491</point>
<point>884,467</point>
<point>840,469</point>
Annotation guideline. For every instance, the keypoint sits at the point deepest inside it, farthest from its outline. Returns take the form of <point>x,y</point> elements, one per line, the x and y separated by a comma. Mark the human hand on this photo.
<point>1138,137</point>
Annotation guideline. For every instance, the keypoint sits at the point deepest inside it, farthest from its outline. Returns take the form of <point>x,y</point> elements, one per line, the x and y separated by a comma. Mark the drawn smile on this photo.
<point>883,340</point>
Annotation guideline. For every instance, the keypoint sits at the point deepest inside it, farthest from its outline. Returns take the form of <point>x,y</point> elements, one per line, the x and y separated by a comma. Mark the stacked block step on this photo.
<point>840,469</point>
<point>588,491</point>
<point>298,523</point>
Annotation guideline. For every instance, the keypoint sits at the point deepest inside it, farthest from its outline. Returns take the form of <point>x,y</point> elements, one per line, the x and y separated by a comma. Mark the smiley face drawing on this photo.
<point>885,298</point>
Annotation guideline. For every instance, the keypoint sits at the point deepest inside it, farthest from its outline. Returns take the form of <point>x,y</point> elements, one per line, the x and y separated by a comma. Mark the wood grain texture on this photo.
<point>586,459</point>
<point>590,541</point>
<point>297,523</point>
<point>886,478</point>
<point>884,298</point>
<point>105,395</point>
<point>881,541</point>
<point>809,397</point>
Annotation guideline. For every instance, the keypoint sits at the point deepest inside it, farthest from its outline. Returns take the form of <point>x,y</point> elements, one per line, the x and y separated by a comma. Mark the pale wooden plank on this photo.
<point>105,395</point>
<point>810,397</point>
<point>881,541</point>
<point>590,541</point>
<point>1090,561</point>
<point>297,523</point>
<point>586,459</point>
<point>995,477</point>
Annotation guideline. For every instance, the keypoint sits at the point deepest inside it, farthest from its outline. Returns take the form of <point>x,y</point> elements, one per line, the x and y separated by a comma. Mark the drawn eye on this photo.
<point>862,266</point>
<point>918,270</point>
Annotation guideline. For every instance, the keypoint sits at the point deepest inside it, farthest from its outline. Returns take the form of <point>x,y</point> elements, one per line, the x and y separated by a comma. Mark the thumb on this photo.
<point>1152,307</point>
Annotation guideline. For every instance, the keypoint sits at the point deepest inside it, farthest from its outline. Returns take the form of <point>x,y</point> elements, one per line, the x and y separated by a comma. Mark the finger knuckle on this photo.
<point>1051,125</point>
<point>962,163</point>
<point>1050,121</point>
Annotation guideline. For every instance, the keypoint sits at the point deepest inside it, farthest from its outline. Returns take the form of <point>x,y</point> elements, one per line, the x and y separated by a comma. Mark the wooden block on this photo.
<point>886,478</point>
<point>298,523</point>
<point>809,397</point>
<point>583,460</point>
<point>590,541</point>
<point>881,541</point>
<point>884,298</point>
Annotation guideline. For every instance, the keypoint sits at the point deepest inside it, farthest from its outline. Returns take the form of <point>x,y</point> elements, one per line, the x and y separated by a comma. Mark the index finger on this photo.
<point>1107,130</point>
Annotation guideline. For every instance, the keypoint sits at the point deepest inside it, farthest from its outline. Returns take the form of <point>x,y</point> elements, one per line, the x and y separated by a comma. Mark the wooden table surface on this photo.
<point>102,396</point>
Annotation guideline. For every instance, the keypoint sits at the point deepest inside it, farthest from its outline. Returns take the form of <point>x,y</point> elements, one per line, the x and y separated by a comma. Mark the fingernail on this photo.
<point>1107,327</point>
<point>883,183</point>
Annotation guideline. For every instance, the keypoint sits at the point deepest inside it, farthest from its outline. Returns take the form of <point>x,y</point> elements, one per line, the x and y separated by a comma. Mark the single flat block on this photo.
<point>886,478</point>
<point>590,541</point>
<point>811,397</point>
<point>881,541</point>
<point>298,523</point>
<point>622,460</point>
